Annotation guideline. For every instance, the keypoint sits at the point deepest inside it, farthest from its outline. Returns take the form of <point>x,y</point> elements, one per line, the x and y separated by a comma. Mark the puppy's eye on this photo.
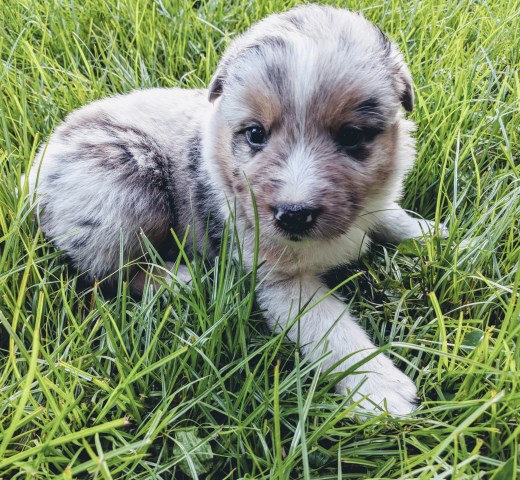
<point>256,136</point>
<point>349,138</point>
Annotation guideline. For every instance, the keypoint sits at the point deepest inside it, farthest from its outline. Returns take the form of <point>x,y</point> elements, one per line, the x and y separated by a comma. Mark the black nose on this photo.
<point>295,218</point>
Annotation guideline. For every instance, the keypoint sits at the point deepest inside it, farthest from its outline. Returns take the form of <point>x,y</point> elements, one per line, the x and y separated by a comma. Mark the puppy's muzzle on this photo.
<point>295,219</point>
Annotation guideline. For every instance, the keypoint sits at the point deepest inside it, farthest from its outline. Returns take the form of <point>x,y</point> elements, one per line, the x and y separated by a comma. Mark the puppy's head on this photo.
<point>307,116</point>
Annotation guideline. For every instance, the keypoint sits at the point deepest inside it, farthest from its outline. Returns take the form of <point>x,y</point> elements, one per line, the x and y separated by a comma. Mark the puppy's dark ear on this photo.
<point>224,68</point>
<point>405,87</point>
<point>216,86</point>
<point>402,76</point>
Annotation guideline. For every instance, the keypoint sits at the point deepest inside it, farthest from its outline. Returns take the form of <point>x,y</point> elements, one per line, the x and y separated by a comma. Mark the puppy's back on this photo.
<point>107,175</point>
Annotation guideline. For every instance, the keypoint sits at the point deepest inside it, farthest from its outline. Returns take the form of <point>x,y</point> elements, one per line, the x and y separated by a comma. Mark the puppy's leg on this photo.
<point>326,326</point>
<point>395,225</point>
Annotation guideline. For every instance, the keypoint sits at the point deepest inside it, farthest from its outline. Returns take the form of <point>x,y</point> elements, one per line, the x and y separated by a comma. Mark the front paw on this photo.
<point>378,388</point>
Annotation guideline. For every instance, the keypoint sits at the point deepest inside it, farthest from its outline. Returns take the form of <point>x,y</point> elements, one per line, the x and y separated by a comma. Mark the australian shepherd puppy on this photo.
<point>305,116</point>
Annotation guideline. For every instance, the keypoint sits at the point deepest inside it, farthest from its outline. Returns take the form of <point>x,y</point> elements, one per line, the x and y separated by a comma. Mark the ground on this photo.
<point>188,383</point>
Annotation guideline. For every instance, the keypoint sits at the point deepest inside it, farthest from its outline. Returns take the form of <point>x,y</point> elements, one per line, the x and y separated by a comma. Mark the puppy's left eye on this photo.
<point>256,136</point>
<point>349,137</point>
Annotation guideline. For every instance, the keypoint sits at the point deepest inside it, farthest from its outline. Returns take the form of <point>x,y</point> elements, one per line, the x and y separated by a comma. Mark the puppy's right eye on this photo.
<point>349,137</point>
<point>256,137</point>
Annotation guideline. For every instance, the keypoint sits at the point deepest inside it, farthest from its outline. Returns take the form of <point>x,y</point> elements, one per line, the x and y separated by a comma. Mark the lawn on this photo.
<point>188,383</point>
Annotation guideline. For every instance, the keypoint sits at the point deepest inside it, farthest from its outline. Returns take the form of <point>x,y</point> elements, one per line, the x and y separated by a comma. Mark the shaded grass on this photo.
<point>187,382</point>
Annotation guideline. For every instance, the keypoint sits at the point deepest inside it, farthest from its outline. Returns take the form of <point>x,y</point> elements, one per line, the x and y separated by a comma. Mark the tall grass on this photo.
<point>188,383</point>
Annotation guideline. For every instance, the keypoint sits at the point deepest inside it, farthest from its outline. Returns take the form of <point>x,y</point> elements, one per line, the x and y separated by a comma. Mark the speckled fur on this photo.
<point>162,159</point>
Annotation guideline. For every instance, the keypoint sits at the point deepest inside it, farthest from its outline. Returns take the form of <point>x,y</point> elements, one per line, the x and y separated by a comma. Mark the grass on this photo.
<point>189,383</point>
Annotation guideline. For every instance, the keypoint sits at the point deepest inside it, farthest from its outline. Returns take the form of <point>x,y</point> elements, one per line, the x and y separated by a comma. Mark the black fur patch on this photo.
<point>386,45</point>
<point>119,155</point>
<point>78,241</point>
<point>370,110</point>
<point>273,42</point>
<point>360,154</point>
<point>194,154</point>
<point>54,177</point>
<point>370,106</point>
<point>89,223</point>
<point>296,21</point>
<point>206,201</point>
<point>370,133</point>
<point>278,78</point>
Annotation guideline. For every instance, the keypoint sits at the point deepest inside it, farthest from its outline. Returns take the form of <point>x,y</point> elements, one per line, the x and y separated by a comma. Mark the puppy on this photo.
<point>303,117</point>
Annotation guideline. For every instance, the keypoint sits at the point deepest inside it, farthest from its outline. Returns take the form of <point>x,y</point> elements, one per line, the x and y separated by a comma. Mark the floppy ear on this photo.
<point>406,87</point>
<point>216,86</point>
<point>403,78</point>
<point>225,67</point>
<point>401,74</point>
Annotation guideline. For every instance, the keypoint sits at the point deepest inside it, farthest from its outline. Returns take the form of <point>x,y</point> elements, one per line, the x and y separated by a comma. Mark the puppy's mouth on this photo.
<point>286,238</point>
<point>295,238</point>
<point>315,234</point>
<point>311,236</point>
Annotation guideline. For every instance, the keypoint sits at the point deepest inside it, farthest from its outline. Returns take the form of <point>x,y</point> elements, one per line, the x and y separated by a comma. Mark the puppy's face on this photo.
<point>307,118</point>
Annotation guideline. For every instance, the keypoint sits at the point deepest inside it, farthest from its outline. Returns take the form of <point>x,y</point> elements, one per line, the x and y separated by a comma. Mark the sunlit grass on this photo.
<point>186,382</point>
